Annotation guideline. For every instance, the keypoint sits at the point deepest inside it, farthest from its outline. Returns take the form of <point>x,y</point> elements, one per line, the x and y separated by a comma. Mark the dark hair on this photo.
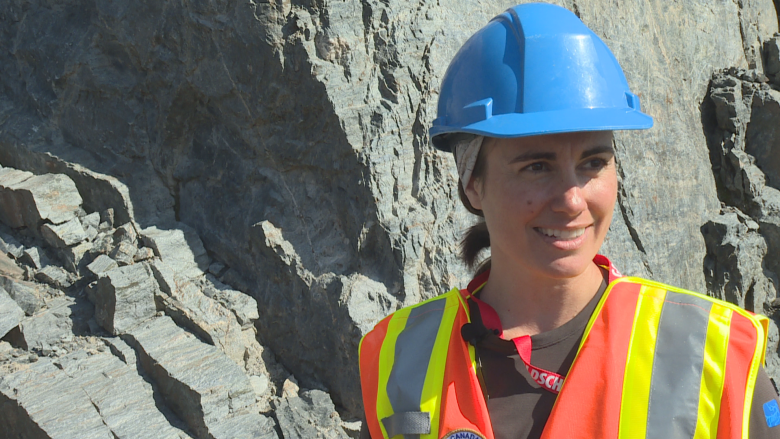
<point>477,237</point>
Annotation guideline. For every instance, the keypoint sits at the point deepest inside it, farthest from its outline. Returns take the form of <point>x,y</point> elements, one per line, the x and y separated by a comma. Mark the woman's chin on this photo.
<point>568,267</point>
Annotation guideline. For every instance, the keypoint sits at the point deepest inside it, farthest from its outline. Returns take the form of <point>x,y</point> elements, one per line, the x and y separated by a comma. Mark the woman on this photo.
<point>528,106</point>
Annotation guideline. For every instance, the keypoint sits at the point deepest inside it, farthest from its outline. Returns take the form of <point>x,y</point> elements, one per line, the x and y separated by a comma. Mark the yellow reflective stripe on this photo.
<point>386,360</point>
<point>714,371</point>
<point>764,321</point>
<point>434,379</point>
<point>639,363</point>
<point>472,350</point>
<point>758,360</point>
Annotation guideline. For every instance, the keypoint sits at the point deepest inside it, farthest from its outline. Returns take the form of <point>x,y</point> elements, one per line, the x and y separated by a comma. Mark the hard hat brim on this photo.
<point>547,122</point>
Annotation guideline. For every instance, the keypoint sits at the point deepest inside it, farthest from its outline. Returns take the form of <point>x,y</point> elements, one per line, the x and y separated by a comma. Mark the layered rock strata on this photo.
<point>742,122</point>
<point>111,347</point>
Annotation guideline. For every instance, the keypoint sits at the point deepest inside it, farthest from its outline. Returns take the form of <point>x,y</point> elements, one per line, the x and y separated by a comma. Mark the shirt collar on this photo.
<point>490,316</point>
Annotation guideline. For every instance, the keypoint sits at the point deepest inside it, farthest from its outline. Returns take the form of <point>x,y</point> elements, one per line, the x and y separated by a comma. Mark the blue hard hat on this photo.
<point>535,69</point>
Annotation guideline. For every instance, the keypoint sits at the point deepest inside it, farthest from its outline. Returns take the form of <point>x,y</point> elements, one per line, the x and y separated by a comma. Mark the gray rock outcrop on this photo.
<point>143,348</point>
<point>124,297</point>
<point>742,123</point>
<point>309,415</point>
<point>81,395</point>
<point>10,313</point>
<point>207,390</point>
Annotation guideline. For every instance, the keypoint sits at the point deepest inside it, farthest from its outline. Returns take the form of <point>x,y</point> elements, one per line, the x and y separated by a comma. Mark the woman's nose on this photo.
<point>569,199</point>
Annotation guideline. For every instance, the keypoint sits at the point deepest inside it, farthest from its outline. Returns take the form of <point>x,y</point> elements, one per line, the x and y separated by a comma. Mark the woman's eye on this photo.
<point>595,163</point>
<point>536,167</point>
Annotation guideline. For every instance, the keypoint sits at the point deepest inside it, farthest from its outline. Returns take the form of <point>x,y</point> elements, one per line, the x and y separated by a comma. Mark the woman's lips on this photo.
<point>566,234</point>
<point>563,239</point>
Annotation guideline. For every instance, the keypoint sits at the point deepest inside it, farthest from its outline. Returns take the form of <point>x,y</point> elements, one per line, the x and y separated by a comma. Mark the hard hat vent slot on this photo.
<point>476,112</point>
<point>632,100</point>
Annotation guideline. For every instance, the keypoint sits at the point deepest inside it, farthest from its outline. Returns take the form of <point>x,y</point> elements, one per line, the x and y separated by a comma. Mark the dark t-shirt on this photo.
<point>519,406</point>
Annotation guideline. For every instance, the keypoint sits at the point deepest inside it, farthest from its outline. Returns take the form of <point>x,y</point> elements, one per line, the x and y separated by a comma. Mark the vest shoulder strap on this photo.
<point>402,363</point>
<point>760,322</point>
<point>661,360</point>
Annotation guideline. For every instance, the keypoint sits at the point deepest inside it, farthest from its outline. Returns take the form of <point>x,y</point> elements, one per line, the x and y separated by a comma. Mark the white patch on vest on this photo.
<point>464,434</point>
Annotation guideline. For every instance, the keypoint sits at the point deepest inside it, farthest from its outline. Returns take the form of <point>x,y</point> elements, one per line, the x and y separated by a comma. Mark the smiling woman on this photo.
<point>547,203</point>
<point>549,340</point>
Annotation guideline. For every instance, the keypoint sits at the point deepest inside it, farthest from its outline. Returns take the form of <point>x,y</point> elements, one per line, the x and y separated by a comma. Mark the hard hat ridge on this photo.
<point>534,69</point>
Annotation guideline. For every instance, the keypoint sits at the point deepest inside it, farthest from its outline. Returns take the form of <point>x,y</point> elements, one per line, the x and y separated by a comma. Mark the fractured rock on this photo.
<point>10,313</point>
<point>124,400</point>
<point>75,256</point>
<point>32,257</point>
<point>124,297</point>
<point>91,220</point>
<point>181,249</point>
<point>91,232</point>
<point>260,384</point>
<point>107,218</point>
<point>309,415</point>
<point>41,402</point>
<point>101,265</point>
<point>242,305</point>
<point>9,269</point>
<point>27,295</point>
<point>143,254</point>
<point>10,209</point>
<point>123,253</point>
<point>290,387</point>
<point>103,244</point>
<point>34,199</point>
<point>204,316</point>
<point>54,276</point>
<point>121,349</point>
<point>202,386</point>
<point>343,165</point>
<point>81,395</point>
<point>58,322</point>
<point>762,138</point>
<point>249,425</point>
<point>772,54</point>
<point>10,246</point>
<point>65,234</point>
<point>125,233</point>
<point>734,263</point>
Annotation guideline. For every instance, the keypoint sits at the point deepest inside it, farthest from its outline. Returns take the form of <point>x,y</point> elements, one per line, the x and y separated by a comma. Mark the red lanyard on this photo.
<point>549,380</point>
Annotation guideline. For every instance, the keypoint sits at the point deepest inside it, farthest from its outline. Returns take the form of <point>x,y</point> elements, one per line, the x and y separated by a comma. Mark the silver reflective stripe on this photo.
<point>407,423</point>
<point>677,367</point>
<point>412,353</point>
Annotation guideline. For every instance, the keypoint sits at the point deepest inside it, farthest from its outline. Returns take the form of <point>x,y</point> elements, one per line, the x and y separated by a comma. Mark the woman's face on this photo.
<point>547,200</point>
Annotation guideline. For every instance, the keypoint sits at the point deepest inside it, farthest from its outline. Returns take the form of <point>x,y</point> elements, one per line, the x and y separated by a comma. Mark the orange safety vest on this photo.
<point>654,362</point>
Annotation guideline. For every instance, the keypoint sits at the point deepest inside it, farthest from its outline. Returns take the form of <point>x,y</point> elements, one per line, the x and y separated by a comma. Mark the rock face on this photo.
<point>211,405</point>
<point>124,348</point>
<point>291,138</point>
<point>743,241</point>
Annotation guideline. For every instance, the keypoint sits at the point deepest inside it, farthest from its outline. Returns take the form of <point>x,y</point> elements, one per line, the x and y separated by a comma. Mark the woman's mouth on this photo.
<point>566,240</point>
<point>565,235</point>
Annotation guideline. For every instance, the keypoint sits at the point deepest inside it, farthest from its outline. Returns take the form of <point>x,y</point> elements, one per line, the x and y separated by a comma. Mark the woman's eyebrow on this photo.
<point>597,150</point>
<point>531,155</point>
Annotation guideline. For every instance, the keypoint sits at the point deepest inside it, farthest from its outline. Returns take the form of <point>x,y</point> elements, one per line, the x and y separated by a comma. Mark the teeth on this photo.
<point>562,234</point>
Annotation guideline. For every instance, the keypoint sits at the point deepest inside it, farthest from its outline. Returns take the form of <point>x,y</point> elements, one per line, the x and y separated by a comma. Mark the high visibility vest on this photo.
<point>654,362</point>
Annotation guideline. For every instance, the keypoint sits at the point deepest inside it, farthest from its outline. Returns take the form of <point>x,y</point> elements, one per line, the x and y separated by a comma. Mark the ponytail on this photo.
<point>477,238</point>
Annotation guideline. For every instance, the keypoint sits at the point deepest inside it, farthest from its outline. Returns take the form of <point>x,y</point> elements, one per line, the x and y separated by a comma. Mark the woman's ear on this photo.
<point>474,193</point>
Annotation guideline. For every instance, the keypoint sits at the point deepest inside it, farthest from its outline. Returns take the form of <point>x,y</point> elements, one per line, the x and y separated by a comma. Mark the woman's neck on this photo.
<point>529,304</point>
